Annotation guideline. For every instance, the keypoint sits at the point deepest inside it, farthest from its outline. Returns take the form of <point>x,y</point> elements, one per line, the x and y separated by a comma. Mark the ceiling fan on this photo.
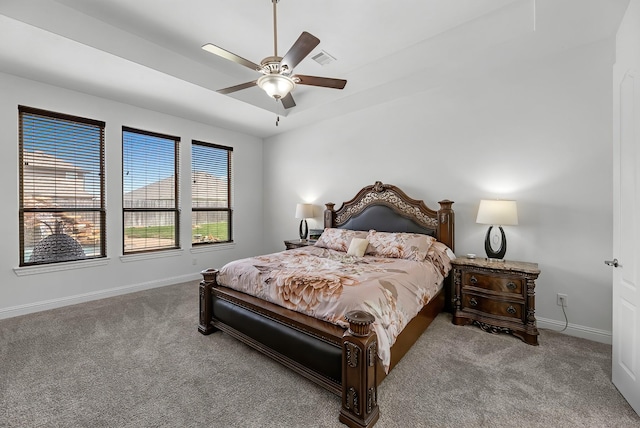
<point>277,78</point>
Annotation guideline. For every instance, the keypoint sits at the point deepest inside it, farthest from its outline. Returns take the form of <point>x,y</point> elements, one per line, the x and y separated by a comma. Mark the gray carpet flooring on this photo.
<point>138,361</point>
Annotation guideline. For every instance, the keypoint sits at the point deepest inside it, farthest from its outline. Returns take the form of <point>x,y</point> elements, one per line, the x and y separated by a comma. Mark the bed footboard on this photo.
<point>354,350</point>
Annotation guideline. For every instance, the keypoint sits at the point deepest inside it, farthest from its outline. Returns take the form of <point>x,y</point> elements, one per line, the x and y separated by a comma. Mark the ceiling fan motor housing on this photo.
<point>271,65</point>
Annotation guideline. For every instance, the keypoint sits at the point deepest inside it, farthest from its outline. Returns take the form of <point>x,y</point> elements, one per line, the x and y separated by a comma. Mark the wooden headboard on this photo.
<point>386,208</point>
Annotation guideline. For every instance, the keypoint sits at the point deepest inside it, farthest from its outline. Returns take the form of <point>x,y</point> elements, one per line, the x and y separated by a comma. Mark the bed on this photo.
<point>342,356</point>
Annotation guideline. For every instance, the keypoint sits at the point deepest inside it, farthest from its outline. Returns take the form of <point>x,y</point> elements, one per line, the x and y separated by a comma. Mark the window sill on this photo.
<point>212,247</point>
<point>151,255</point>
<point>58,267</point>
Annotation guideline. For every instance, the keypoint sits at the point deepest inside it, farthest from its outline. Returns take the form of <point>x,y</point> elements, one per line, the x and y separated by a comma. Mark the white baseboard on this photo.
<point>594,334</point>
<point>44,305</point>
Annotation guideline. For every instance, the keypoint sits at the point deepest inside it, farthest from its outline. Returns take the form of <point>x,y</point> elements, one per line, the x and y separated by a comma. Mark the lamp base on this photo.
<point>500,252</point>
<point>303,230</point>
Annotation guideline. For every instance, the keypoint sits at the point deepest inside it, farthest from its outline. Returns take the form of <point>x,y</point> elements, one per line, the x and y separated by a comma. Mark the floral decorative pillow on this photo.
<point>410,246</point>
<point>440,255</point>
<point>338,239</point>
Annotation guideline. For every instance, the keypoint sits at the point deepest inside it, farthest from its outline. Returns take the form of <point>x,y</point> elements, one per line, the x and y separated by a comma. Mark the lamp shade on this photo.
<point>276,85</point>
<point>498,212</point>
<point>304,211</point>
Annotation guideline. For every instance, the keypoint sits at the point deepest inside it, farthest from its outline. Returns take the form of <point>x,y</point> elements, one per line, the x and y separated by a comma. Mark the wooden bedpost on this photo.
<point>209,280</point>
<point>359,383</point>
<point>446,220</point>
<point>446,228</point>
<point>329,214</point>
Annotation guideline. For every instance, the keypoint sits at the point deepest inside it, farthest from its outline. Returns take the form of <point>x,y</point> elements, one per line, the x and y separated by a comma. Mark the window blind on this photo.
<point>62,211</point>
<point>150,191</point>
<point>211,212</point>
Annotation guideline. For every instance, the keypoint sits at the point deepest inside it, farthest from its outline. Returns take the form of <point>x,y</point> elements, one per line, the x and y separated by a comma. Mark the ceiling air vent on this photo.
<point>323,58</point>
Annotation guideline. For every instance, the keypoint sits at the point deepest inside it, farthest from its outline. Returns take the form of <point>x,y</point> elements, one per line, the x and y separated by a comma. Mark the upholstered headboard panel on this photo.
<point>384,219</point>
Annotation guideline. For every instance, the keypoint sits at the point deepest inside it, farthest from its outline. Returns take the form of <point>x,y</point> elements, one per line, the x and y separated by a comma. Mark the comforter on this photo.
<point>326,284</point>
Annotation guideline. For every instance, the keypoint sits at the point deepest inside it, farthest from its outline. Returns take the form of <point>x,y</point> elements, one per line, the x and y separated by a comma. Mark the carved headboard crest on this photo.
<point>391,196</point>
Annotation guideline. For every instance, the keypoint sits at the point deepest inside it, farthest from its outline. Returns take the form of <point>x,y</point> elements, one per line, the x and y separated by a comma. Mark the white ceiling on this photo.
<point>148,52</point>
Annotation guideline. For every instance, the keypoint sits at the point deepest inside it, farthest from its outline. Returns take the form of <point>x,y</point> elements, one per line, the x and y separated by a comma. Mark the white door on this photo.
<point>626,238</point>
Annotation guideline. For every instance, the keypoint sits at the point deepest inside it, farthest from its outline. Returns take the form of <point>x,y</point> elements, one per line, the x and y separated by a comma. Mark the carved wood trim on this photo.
<point>457,283</point>
<point>352,354</point>
<point>391,196</point>
<point>372,354</point>
<point>489,328</point>
<point>351,403</point>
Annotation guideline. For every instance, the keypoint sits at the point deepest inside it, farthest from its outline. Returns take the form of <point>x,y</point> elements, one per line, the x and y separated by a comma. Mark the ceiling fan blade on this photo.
<point>300,49</point>
<point>230,56</point>
<point>239,87</point>
<point>287,101</point>
<point>326,82</point>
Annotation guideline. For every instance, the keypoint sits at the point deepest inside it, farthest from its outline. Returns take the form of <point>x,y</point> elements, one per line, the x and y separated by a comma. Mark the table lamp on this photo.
<point>497,213</point>
<point>304,211</point>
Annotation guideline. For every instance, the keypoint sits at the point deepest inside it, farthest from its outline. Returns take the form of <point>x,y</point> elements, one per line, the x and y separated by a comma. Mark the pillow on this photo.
<point>357,247</point>
<point>410,246</point>
<point>440,256</point>
<point>338,239</point>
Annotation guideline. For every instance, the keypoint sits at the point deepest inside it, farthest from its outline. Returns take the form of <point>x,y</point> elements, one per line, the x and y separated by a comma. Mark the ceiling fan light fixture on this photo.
<point>276,85</point>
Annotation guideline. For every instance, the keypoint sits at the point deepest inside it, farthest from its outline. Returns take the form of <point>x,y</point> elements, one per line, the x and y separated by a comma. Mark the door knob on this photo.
<point>613,263</point>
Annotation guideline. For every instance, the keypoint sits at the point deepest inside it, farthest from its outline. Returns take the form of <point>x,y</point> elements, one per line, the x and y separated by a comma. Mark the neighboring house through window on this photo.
<point>62,210</point>
<point>150,191</point>
<point>211,213</point>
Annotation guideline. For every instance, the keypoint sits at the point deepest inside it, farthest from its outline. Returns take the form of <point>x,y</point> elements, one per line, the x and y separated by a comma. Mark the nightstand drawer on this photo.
<point>492,282</point>
<point>492,307</point>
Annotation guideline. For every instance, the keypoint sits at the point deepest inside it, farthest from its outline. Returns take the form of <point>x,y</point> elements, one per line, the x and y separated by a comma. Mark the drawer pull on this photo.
<point>511,285</point>
<point>473,280</point>
<point>511,310</point>
<point>473,301</point>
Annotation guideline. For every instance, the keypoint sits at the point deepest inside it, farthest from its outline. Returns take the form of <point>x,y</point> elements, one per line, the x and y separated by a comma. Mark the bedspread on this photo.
<point>326,284</point>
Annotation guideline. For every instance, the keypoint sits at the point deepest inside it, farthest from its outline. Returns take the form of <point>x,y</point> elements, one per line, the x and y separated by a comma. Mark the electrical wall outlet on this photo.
<point>562,300</point>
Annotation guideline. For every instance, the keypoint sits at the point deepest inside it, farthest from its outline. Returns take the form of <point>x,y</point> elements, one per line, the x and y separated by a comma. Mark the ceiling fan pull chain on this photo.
<point>277,120</point>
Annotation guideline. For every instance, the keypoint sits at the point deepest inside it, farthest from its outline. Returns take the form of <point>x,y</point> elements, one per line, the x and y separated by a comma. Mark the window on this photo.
<point>150,191</point>
<point>210,193</point>
<point>62,211</point>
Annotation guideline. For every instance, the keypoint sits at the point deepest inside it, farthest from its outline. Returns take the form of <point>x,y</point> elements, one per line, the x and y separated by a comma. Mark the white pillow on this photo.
<point>357,247</point>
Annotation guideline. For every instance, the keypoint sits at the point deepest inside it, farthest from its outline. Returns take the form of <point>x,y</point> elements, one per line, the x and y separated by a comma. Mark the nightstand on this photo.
<point>297,243</point>
<point>498,296</point>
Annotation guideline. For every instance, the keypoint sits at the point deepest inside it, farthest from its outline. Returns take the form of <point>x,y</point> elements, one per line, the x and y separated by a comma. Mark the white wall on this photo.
<point>27,293</point>
<point>539,133</point>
